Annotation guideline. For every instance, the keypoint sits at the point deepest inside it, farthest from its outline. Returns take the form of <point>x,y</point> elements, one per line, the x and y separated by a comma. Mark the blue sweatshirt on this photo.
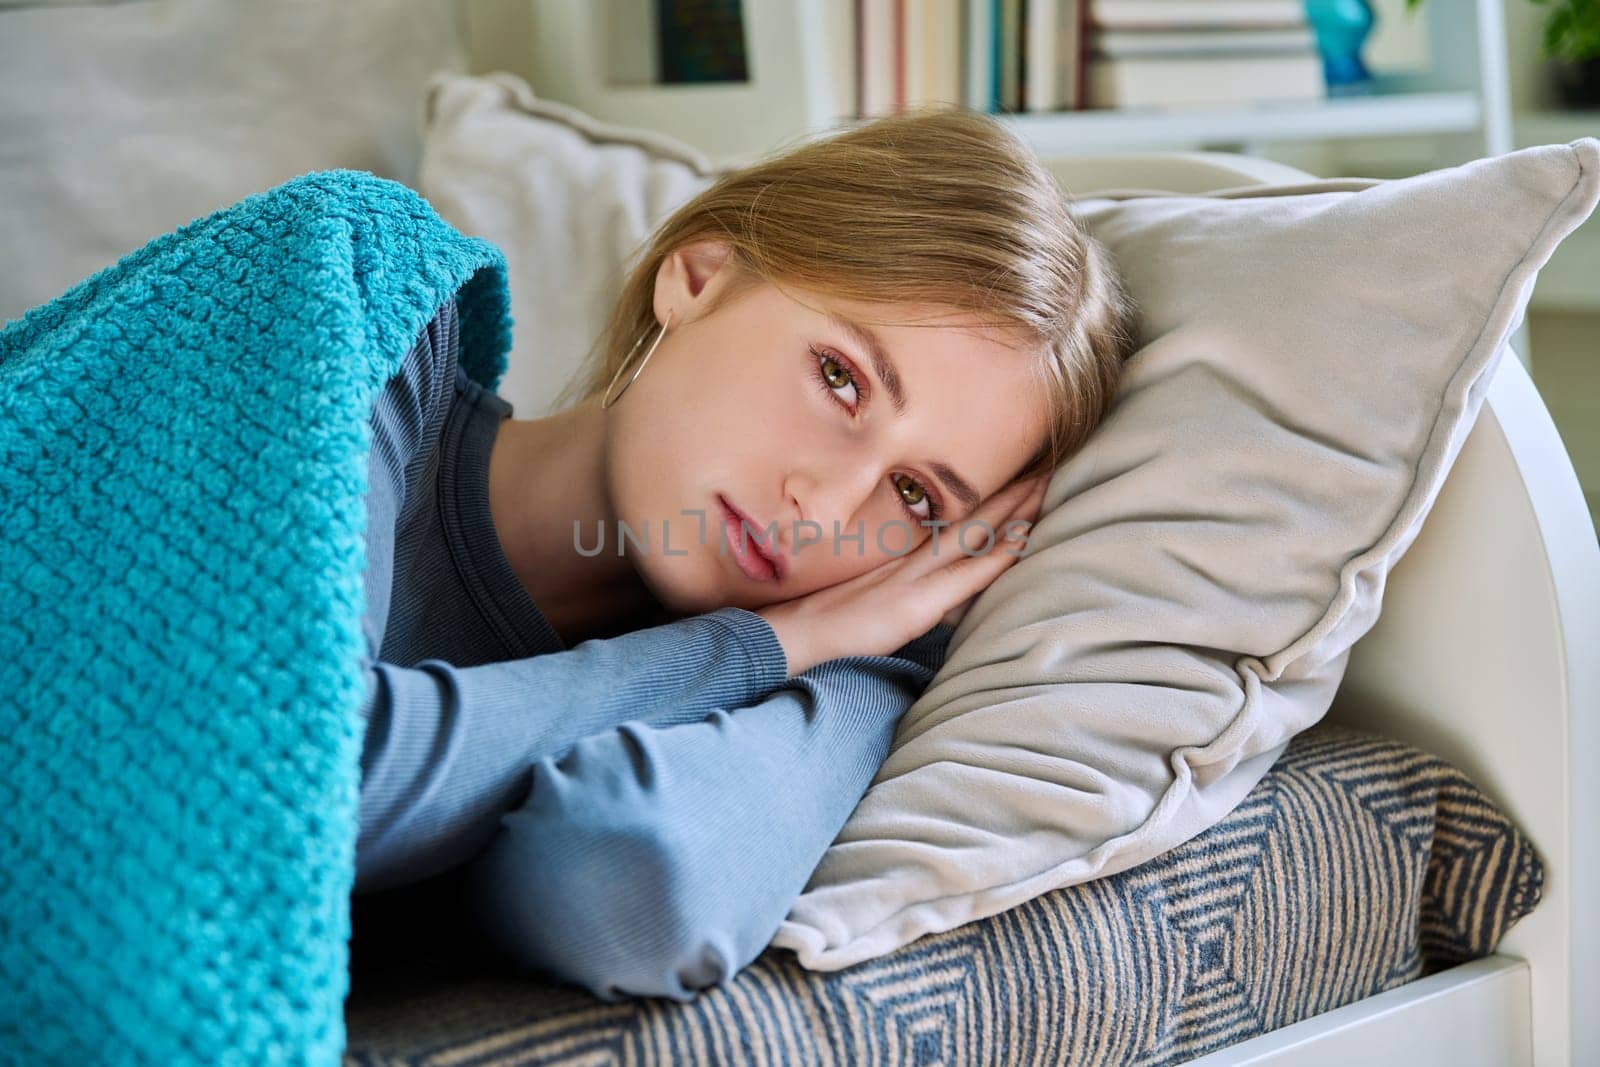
<point>636,814</point>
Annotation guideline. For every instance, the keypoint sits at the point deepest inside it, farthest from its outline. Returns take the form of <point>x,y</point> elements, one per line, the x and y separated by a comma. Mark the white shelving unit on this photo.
<point>802,66</point>
<point>1398,115</point>
<point>1459,107</point>
<point>1462,102</point>
<point>800,59</point>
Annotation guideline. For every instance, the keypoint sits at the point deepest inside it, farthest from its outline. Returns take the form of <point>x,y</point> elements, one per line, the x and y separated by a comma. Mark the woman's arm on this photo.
<point>448,750</point>
<point>660,861</point>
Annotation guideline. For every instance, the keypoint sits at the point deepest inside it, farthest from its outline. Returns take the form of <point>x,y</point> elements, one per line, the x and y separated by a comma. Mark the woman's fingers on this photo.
<point>1033,506</point>
<point>958,583</point>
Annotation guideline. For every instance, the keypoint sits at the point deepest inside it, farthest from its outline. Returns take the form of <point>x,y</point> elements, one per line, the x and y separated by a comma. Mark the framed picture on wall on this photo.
<point>734,78</point>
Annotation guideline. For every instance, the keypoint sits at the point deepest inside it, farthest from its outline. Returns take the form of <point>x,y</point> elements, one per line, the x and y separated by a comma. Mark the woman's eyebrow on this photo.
<point>956,484</point>
<point>883,366</point>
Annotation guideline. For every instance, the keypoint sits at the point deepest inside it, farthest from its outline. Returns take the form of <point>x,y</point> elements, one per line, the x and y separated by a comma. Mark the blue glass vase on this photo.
<point>1341,27</point>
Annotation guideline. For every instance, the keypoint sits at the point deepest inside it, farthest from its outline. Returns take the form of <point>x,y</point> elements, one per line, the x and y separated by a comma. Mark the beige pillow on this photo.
<point>1312,359</point>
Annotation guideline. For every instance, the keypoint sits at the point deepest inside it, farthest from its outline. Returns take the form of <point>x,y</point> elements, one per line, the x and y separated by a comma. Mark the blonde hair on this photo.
<point>938,206</point>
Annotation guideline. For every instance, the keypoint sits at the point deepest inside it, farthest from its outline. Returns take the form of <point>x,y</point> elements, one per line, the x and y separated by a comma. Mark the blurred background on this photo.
<point>121,119</point>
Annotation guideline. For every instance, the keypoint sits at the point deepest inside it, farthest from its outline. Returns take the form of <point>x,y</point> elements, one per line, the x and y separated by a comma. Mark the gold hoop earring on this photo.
<point>608,399</point>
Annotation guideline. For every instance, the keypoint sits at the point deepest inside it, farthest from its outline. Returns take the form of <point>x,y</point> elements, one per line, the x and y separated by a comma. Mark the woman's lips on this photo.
<point>759,561</point>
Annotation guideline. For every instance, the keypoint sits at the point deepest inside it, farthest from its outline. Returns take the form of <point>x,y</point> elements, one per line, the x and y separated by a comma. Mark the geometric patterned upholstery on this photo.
<point>1357,864</point>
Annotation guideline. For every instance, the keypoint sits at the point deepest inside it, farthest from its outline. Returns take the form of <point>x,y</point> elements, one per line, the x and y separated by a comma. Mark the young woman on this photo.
<point>634,664</point>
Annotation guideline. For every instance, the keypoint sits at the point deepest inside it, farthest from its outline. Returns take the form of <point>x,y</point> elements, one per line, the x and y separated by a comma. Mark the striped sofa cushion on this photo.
<point>1357,864</point>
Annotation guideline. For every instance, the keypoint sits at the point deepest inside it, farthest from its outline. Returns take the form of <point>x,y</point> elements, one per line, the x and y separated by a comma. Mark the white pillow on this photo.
<point>123,121</point>
<point>1313,357</point>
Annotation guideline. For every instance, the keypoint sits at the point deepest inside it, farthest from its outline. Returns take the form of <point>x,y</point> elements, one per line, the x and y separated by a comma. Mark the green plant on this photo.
<point>1571,33</point>
<point>1573,30</point>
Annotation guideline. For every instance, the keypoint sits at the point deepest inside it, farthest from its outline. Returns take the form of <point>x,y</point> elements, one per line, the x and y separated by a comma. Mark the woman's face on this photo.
<point>769,406</point>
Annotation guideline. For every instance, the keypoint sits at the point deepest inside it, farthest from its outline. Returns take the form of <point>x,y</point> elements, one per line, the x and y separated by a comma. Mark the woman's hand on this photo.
<point>877,612</point>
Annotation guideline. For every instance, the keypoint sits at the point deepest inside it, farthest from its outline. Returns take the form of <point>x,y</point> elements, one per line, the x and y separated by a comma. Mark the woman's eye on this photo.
<point>833,377</point>
<point>913,496</point>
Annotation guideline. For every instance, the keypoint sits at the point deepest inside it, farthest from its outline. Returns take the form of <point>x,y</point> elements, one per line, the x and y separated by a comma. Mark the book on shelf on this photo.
<point>972,52</point>
<point>1180,54</point>
<point>1036,56</point>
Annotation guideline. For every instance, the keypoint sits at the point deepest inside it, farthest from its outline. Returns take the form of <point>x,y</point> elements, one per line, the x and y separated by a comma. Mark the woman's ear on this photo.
<point>690,280</point>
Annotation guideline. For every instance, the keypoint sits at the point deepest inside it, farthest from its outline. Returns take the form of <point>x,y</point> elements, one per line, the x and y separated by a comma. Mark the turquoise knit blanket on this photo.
<point>183,471</point>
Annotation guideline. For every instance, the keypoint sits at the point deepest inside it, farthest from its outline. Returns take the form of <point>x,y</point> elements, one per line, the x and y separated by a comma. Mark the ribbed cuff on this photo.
<point>768,662</point>
<point>930,649</point>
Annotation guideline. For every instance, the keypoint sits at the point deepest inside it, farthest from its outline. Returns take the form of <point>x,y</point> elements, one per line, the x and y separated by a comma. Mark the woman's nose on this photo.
<point>835,499</point>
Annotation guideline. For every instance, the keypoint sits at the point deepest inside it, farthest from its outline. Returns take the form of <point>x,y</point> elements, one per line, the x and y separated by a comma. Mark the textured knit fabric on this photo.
<point>183,469</point>
<point>652,839</point>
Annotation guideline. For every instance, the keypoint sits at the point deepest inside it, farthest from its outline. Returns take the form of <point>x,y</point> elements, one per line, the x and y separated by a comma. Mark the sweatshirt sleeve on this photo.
<point>656,860</point>
<point>448,750</point>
